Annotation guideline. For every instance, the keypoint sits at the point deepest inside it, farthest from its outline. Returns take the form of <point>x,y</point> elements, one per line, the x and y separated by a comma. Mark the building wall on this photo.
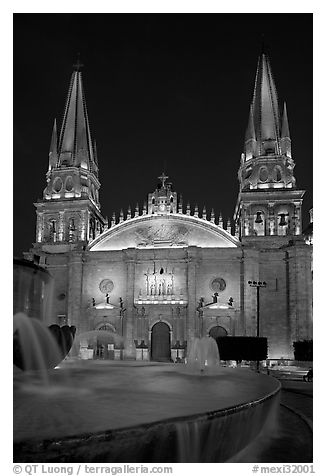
<point>285,303</point>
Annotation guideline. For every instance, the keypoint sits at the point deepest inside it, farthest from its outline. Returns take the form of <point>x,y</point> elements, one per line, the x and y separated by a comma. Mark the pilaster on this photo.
<point>299,292</point>
<point>75,280</point>
<point>129,327</point>
<point>192,320</point>
<point>250,272</point>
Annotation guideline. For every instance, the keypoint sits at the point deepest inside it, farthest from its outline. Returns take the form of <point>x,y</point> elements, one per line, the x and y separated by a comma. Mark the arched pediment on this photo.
<point>163,231</point>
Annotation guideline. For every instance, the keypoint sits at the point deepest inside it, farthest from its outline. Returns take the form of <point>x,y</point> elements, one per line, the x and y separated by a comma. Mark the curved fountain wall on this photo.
<point>210,436</point>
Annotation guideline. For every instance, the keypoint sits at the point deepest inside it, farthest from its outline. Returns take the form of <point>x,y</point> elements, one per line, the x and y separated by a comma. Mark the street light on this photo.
<point>257,285</point>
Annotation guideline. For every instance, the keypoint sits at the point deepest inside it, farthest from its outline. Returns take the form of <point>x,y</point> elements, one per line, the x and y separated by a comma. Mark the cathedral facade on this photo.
<point>162,274</point>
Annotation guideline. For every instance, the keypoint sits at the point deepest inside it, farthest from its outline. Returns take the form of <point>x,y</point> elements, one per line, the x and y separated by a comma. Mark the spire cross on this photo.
<point>163,178</point>
<point>78,65</point>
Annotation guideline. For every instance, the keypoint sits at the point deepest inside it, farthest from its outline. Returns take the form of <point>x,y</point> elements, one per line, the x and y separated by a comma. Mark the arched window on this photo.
<point>283,223</point>
<point>263,174</point>
<point>57,184</point>
<point>277,174</point>
<point>69,184</point>
<point>259,223</point>
<point>218,331</point>
<point>52,227</point>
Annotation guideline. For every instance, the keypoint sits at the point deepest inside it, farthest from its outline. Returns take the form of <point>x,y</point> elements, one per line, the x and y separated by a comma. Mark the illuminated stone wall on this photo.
<point>95,289</point>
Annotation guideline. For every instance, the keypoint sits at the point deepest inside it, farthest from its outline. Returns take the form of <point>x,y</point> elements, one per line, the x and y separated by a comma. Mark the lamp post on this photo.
<point>257,285</point>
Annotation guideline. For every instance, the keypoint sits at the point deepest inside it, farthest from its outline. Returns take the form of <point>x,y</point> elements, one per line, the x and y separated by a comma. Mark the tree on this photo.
<point>242,348</point>
<point>303,350</point>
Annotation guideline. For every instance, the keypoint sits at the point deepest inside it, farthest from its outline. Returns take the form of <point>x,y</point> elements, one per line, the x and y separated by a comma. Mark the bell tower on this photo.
<point>69,213</point>
<point>269,204</point>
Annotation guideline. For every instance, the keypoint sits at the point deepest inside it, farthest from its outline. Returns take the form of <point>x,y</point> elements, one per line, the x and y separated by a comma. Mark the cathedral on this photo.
<point>162,274</point>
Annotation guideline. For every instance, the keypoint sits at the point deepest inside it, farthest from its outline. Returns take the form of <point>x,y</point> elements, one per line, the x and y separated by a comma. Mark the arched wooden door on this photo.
<point>218,331</point>
<point>160,342</point>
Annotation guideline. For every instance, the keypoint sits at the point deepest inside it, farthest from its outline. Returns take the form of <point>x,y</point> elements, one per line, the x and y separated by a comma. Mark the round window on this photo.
<point>106,286</point>
<point>218,285</point>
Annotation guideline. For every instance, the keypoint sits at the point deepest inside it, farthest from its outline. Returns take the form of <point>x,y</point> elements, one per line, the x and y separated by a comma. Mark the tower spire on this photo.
<point>71,197</point>
<point>285,123</point>
<point>53,154</point>
<point>285,134</point>
<point>75,143</point>
<point>265,109</point>
<point>266,165</point>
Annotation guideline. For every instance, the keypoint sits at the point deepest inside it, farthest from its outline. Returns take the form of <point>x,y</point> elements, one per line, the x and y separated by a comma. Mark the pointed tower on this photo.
<point>70,210</point>
<point>269,204</point>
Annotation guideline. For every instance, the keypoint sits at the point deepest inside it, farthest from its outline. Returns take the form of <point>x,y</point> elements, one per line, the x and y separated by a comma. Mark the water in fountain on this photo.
<point>34,346</point>
<point>203,356</point>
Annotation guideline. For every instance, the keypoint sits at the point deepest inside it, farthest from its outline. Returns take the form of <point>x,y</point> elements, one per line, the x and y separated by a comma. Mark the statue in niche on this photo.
<point>169,289</point>
<point>152,289</point>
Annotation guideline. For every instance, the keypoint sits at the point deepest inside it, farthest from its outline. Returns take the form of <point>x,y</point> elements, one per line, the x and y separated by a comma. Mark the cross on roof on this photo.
<point>78,65</point>
<point>163,178</point>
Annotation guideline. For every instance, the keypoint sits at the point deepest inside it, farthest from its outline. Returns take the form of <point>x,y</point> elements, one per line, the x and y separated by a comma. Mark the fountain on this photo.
<point>118,411</point>
<point>32,340</point>
<point>203,355</point>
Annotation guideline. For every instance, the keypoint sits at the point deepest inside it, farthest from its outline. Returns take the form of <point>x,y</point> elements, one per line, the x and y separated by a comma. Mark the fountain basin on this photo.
<point>101,411</point>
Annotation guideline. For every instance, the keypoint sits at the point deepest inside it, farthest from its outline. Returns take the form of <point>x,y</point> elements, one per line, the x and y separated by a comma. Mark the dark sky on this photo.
<point>163,91</point>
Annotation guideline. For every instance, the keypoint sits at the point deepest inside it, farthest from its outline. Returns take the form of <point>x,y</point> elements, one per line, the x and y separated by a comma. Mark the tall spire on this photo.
<point>53,154</point>
<point>265,109</point>
<point>250,137</point>
<point>285,124</point>
<point>75,144</point>
<point>285,134</point>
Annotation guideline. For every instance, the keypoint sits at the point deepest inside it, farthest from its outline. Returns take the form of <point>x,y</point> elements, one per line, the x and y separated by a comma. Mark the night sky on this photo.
<point>163,91</point>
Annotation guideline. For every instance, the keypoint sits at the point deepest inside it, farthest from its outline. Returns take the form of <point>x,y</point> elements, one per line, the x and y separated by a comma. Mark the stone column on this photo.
<point>39,227</point>
<point>298,224</point>
<point>192,328</point>
<point>299,292</point>
<point>241,323</point>
<point>61,226</point>
<point>83,228</point>
<point>245,231</point>
<point>75,280</point>
<point>271,218</point>
<point>250,272</point>
<point>130,324</point>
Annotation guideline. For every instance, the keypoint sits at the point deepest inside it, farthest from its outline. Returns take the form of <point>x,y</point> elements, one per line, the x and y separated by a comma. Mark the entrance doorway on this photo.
<point>218,331</point>
<point>160,344</point>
